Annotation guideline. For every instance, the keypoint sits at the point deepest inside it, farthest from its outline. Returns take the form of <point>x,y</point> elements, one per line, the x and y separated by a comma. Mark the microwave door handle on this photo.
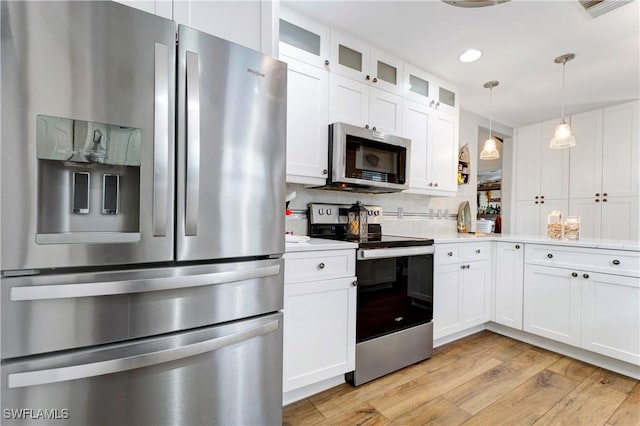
<point>161,141</point>
<point>193,144</point>
<point>134,362</point>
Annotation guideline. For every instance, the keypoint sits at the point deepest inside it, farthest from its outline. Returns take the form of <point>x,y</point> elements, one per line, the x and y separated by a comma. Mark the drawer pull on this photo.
<point>450,254</point>
<point>616,262</point>
<point>354,283</point>
<point>478,251</point>
<point>574,274</point>
<point>585,276</point>
<point>550,256</point>
<point>517,246</point>
<point>321,266</point>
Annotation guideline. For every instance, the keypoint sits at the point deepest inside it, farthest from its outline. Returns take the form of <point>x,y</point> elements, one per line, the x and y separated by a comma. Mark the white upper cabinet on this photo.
<point>604,172</point>
<point>307,122</point>
<point>162,8</point>
<point>355,59</point>
<point>586,157</point>
<point>348,101</point>
<point>424,88</point>
<point>434,149</point>
<point>304,39</point>
<point>542,173</point>
<point>238,21</point>
<point>621,150</point>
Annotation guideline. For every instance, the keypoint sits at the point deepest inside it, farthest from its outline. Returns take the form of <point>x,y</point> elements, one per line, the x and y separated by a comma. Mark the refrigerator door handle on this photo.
<point>193,144</point>
<point>81,371</point>
<point>109,288</point>
<point>161,141</point>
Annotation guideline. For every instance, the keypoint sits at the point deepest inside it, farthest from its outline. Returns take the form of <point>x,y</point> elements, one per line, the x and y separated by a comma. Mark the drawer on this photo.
<point>584,259</point>
<point>467,252</point>
<point>319,265</point>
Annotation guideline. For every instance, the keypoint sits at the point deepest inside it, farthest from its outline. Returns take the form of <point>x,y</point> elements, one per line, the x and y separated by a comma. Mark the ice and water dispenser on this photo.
<point>88,181</point>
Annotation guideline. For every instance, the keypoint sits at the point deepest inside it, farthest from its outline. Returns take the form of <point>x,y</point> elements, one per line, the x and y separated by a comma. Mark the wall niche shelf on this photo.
<point>464,165</point>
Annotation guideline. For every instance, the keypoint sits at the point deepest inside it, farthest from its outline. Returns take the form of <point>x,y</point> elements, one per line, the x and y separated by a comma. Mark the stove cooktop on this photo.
<point>383,241</point>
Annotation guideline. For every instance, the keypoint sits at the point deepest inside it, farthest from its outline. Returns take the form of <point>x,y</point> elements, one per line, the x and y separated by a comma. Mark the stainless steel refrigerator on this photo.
<point>142,226</point>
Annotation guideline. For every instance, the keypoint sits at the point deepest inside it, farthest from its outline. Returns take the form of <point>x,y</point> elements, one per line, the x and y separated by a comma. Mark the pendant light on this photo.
<point>490,149</point>
<point>563,137</point>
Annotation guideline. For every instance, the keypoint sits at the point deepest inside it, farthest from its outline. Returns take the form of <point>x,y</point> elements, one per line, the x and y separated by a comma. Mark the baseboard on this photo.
<point>459,335</point>
<point>306,391</point>
<point>624,368</point>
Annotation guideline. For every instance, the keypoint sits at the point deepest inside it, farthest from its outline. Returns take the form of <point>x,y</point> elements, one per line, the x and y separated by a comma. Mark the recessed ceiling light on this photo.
<point>470,55</point>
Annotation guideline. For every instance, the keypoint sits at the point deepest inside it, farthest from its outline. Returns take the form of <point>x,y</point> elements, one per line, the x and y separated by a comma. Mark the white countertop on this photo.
<point>534,239</point>
<point>319,244</point>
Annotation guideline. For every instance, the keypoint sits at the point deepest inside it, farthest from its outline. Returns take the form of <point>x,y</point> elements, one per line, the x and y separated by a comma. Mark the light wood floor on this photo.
<point>484,379</point>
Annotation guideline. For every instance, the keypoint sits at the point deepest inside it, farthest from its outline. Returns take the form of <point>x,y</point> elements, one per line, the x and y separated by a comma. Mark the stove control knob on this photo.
<point>320,211</point>
<point>370,213</point>
<point>376,213</point>
<point>328,211</point>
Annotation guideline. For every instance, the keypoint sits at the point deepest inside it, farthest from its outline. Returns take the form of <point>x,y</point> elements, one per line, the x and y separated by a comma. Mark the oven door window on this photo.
<point>375,161</point>
<point>393,294</point>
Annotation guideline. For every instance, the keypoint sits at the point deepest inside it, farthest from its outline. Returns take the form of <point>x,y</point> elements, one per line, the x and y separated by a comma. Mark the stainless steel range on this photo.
<point>394,325</point>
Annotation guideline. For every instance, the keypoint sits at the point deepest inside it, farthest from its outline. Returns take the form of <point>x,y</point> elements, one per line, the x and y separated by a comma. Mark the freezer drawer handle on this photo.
<point>56,375</point>
<point>193,145</point>
<point>161,142</point>
<point>109,288</point>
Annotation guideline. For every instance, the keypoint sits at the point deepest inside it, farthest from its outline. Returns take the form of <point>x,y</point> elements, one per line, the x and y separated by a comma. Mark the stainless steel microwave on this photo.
<point>366,160</point>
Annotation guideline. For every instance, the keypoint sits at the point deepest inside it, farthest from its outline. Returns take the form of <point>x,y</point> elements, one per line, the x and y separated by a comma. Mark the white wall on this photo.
<point>411,203</point>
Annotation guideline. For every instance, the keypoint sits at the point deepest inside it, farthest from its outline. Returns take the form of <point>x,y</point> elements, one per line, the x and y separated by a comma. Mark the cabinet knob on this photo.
<point>432,103</point>
<point>368,77</point>
<point>517,246</point>
<point>549,255</point>
<point>325,171</point>
<point>604,194</point>
<point>541,202</point>
<point>604,200</point>
<point>478,251</point>
<point>375,79</point>
<point>321,266</point>
<point>616,262</point>
<point>597,194</point>
<point>326,62</point>
<point>435,184</point>
<point>463,266</point>
<point>537,202</point>
<point>366,126</point>
<point>430,183</point>
<point>585,276</point>
<point>374,128</point>
<point>354,283</point>
<point>574,274</point>
<point>450,254</point>
<point>536,197</point>
<point>597,200</point>
<point>542,197</point>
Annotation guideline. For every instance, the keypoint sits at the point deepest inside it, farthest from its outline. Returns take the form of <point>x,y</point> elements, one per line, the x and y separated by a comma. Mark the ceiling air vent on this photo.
<point>597,8</point>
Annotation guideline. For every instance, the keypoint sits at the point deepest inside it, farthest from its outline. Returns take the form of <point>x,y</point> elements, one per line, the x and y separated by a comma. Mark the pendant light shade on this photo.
<point>562,137</point>
<point>490,148</point>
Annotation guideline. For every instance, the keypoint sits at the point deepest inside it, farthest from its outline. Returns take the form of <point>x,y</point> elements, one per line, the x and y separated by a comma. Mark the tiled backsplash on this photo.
<point>421,216</point>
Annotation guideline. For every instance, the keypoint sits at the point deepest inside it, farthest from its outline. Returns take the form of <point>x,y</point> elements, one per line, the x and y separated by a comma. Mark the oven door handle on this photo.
<point>381,253</point>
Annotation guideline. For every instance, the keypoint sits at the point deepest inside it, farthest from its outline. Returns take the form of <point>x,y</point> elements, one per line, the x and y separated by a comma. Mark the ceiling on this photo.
<point>519,40</point>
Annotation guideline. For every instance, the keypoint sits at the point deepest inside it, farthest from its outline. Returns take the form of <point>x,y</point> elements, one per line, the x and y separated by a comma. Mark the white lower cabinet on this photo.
<point>319,317</point>
<point>566,300</point>
<point>552,304</point>
<point>462,288</point>
<point>611,316</point>
<point>508,287</point>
